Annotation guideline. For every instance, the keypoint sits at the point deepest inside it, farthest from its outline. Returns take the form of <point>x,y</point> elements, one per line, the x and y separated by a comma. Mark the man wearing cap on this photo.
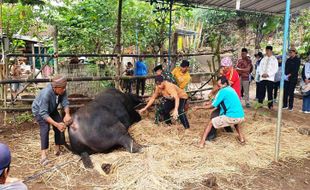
<point>181,74</point>
<point>231,74</point>
<point>175,98</point>
<point>7,183</point>
<point>158,70</point>
<point>244,68</point>
<point>291,76</point>
<point>267,70</point>
<point>44,109</point>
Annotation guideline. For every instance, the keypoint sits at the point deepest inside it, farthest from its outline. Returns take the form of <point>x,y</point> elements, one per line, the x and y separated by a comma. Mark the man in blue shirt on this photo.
<point>140,70</point>
<point>44,109</point>
<point>234,114</point>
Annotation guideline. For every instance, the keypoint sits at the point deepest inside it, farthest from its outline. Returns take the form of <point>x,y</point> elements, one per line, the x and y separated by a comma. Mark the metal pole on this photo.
<point>170,31</point>
<point>285,42</point>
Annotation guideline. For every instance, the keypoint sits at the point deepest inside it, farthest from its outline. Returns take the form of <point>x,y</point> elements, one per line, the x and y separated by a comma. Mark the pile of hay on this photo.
<point>170,158</point>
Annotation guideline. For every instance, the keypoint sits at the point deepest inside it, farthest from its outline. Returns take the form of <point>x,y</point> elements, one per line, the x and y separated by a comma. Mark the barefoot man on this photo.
<point>44,109</point>
<point>231,110</point>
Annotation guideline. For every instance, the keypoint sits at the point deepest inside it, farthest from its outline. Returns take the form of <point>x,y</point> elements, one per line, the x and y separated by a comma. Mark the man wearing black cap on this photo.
<point>158,70</point>
<point>181,74</point>
<point>7,183</point>
<point>175,98</point>
<point>44,109</point>
<point>291,77</point>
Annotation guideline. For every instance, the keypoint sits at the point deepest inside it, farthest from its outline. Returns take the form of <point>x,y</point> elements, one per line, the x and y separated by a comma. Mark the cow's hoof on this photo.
<point>106,168</point>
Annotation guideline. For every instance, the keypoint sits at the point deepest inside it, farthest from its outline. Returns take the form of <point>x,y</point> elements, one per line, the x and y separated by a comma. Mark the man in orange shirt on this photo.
<point>175,98</point>
<point>181,74</point>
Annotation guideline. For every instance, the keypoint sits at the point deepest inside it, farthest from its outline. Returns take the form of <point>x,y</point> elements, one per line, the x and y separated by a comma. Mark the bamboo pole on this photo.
<point>115,55</point>
<point>75,79</point>
<point>118,44</point>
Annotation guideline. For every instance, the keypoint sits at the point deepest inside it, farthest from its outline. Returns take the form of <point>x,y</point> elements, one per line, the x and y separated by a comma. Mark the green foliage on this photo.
<point>17,18</point>
<point>20,118</point>
<point>300,32</point>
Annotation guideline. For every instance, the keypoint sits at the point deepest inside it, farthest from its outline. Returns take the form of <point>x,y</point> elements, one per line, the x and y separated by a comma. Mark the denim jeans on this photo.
<point>306,102</point>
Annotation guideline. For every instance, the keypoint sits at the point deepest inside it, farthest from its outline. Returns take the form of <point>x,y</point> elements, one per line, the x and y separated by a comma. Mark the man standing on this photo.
<point>231,74</point>
<point>7,183</point>
<point>140,70</point>
<point>181,74</point>
<point>233,116</point>
<point>44,109</point>
<point>259,56</point>
<point>158,70</point>
<point>175,99</point>
<point>267,70</point>
<point>291,75</point>
<point>244,68</point>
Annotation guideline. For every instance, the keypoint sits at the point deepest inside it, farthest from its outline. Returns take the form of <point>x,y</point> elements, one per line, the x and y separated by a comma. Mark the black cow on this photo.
<point>103,124</point>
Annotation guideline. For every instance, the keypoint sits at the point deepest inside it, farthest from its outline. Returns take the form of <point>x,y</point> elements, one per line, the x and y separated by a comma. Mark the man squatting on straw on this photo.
<point>233,114</point>
<point>44,109</point>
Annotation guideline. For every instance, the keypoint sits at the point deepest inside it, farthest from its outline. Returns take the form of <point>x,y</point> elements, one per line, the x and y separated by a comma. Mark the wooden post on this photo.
<point>55,46</point>
<point>33,60</point>
<point>118,42</point>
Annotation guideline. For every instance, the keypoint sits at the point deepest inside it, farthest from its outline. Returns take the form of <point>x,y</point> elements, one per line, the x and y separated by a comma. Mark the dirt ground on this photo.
<point>289,173</point>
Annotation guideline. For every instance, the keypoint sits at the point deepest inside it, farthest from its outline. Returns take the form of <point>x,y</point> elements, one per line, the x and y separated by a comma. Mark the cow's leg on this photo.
<point>86,160</point>
<point>129,144</point>
<point>124,139</point>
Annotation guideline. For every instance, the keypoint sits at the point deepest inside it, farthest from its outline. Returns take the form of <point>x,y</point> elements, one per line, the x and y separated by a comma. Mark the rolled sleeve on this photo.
<point>65,101</point>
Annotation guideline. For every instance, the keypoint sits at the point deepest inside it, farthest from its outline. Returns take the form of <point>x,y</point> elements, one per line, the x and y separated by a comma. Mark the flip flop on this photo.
<point>239,141</point>
<point>44,161</point>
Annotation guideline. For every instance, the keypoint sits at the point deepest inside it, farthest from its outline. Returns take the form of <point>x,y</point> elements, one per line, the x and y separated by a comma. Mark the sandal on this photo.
<point>242,142</point>
<point>44,161</point>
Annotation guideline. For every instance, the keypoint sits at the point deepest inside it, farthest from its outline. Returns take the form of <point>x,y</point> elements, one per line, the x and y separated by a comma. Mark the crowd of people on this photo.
<point>225,99</point>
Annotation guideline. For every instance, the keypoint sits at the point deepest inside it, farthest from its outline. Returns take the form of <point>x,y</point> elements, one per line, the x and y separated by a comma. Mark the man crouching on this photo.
<point>175,99</point>
<point>44,109</point>
<point>231,113</point>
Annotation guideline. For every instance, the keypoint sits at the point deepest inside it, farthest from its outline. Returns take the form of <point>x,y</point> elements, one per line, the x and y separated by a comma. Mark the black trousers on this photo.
<point>45,128</point>
<point>276,86</point>
<point>257,89</point>
<point>128,85</point>
<point>169,105</point>
<point>266,85</point>
<point>289,88</point>
<point>140,82</point>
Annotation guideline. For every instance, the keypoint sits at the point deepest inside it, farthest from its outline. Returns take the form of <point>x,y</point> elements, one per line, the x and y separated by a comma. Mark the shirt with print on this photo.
<point>234,79</point>
<point>246,66</point>
<point>229,97</point>
<point>47,102</point>
<point>182,78</point>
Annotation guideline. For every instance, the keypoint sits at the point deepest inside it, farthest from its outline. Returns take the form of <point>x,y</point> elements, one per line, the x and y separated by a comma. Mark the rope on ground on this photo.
<point>35,176</point>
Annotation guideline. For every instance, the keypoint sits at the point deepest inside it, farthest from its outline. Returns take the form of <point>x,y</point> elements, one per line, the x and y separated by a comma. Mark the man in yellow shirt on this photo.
<point>175,98</point>
<point>181,74</point>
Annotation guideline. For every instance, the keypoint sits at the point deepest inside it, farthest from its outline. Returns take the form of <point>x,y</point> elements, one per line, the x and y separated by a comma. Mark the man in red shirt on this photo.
<point>231,74</point>
<point>244,68</point>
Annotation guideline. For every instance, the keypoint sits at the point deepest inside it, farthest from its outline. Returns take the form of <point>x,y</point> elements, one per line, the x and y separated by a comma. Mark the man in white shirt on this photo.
<point>267,70</point>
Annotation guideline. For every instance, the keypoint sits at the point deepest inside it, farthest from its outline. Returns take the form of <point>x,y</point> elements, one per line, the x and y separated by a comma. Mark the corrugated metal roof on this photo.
<point>264,6</point>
